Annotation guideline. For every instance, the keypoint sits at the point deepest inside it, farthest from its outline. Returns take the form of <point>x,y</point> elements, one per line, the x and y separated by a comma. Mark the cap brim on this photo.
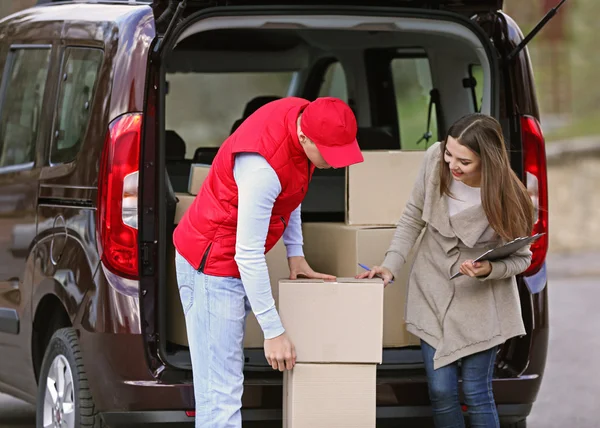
<point>341,156</point>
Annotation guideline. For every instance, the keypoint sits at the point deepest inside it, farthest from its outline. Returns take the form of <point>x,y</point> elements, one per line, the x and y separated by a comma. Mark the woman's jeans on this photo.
<point>215,311</point>
<point>476,372</point>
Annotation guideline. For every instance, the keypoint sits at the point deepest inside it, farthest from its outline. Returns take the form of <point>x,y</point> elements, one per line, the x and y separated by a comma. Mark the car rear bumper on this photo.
<point>385,415</point>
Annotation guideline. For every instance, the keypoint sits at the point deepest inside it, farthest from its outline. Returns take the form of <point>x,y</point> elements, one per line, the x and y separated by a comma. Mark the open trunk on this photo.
<point>393,68</point>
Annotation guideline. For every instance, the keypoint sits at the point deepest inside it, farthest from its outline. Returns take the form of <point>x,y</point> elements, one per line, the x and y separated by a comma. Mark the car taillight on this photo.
<point>117,196</point>
<point>536,180</point>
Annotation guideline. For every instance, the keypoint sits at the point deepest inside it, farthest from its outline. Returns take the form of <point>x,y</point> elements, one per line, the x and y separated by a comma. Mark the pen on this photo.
<point>369,269</point>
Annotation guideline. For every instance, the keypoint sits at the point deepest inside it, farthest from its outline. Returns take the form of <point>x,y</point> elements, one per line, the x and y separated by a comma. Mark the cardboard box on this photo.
<point>185,200</point>
<point>330,396</point>
<point>198,173</point>
<point>336,249</point>
<point>378,188</point>
<point>333,322</point>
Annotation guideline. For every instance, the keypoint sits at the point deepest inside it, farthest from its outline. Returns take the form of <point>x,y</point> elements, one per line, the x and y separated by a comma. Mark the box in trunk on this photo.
<point>385,178</point>
<point>336,248</point>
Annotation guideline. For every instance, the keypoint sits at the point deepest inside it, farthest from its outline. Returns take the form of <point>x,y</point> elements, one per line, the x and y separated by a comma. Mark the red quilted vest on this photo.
<point>206,235</point>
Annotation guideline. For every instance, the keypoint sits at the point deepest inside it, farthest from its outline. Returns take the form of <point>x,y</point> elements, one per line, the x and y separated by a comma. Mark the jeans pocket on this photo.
<point>185,282</point>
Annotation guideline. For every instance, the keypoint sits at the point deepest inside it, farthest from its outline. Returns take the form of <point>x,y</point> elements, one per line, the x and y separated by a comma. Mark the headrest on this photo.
<point>253,105</point>
<point>205,155</point>
<point>376,139</point>
<point>175,146</point>
<point>257,102</point>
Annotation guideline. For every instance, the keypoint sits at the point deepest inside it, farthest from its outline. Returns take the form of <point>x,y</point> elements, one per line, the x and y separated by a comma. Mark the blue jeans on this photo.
<point>215,311</point>
<point>476,373</point>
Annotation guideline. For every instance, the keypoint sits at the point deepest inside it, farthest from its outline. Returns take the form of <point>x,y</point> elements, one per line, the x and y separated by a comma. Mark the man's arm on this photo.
<point>292,237</point>
<point>258,187</point>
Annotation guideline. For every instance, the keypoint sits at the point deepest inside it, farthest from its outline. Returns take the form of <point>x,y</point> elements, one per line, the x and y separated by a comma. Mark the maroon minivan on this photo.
<point>104,107</point>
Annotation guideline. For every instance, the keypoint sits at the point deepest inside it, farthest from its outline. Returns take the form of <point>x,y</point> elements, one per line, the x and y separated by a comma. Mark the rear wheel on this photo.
<point>64,399</point>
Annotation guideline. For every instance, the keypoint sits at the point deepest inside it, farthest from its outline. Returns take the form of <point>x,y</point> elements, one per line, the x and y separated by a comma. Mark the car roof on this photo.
<point>117,13</point>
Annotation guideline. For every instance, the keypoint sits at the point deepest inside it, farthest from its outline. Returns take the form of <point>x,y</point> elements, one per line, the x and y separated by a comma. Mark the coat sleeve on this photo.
<point>510,266</point>
<point>411,222</point>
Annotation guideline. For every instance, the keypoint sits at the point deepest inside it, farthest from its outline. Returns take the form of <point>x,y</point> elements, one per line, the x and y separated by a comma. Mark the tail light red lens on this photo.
<point>536,180</point>
<point>117,196</point>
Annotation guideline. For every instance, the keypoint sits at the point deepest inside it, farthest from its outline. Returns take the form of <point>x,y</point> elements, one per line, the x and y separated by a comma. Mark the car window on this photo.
<point>204,108</point>
<point>23,84</point>
<point>476,85</point>
<point>412,88</point>
<point>77,85</point>
<point>334,82</point>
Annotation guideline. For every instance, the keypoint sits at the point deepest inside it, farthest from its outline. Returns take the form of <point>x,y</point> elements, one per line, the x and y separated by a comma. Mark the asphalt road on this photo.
<point>569,394</point>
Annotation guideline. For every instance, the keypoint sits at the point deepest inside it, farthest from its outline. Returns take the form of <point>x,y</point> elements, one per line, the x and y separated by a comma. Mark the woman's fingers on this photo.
<point>466,268</point>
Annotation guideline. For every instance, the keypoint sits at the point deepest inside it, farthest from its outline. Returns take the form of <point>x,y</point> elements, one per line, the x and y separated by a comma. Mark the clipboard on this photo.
<point>505,250</point>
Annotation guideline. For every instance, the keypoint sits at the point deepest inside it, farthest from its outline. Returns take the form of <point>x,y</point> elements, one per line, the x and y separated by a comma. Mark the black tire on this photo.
<point>519,424</point>
<point>64,343</point>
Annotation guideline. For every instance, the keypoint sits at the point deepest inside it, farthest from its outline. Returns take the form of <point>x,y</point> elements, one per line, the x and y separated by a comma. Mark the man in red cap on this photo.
<point>250,199</point>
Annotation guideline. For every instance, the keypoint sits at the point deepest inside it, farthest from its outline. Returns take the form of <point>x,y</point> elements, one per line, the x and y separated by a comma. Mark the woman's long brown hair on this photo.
<point>504,198</point>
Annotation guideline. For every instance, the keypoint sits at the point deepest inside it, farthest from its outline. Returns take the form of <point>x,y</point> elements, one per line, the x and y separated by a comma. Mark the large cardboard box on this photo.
<point>198,173</point>
<point>330,396</point>
<point>336,249</point>
<point>378,188</point>
<point>333,322</point>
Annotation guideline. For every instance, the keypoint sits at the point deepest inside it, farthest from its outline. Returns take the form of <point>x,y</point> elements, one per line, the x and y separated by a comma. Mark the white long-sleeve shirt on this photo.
<point>258,188</point>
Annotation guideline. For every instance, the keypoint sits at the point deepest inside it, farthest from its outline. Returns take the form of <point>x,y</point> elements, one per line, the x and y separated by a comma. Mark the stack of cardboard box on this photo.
<point>337,330</point>
<point>376,192</point>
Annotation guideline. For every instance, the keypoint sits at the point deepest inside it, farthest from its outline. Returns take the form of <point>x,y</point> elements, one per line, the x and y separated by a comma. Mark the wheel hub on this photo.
<point>59,400</point>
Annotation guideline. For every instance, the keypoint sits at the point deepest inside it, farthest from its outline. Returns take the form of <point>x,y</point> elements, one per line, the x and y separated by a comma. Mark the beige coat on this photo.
<point>462,316</point>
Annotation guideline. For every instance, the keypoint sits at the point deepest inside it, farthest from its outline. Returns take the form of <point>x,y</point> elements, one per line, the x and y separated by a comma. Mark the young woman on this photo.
<point>467,199</point>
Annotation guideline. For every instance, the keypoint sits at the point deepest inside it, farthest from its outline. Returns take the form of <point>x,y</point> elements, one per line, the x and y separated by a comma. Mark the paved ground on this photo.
<point>15,413</point>
<point>569,395</point>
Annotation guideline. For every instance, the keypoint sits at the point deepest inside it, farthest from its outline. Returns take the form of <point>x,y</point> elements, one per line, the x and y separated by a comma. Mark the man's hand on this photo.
<point>299,268</point>
<point>379,271</point>
<point>280,353</point>
<point>474,269</point>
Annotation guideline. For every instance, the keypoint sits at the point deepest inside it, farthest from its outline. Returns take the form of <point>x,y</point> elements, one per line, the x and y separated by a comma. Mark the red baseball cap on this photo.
<point>331,125</point>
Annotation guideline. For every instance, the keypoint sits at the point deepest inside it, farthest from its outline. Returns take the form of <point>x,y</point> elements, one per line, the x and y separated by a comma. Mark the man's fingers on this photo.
<point>325,276</point>
<point>281,364</point>
<point>289,362</point>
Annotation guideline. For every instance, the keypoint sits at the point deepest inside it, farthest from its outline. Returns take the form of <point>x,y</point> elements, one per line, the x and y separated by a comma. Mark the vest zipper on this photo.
<point>204,257</point>
<point>284,223</point>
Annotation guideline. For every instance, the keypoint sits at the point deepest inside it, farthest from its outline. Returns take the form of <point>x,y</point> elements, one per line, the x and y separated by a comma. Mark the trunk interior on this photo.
<point>393,71</point>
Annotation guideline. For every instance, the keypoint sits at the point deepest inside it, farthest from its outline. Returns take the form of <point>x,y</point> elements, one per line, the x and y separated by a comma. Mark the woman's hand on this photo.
<point>299,268</point>
<point>475,269</point>
<point>380,271</point>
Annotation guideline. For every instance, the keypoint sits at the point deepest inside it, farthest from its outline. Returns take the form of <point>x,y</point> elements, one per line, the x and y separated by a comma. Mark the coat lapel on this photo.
<point>435,207</point>
<point>470,224</point>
